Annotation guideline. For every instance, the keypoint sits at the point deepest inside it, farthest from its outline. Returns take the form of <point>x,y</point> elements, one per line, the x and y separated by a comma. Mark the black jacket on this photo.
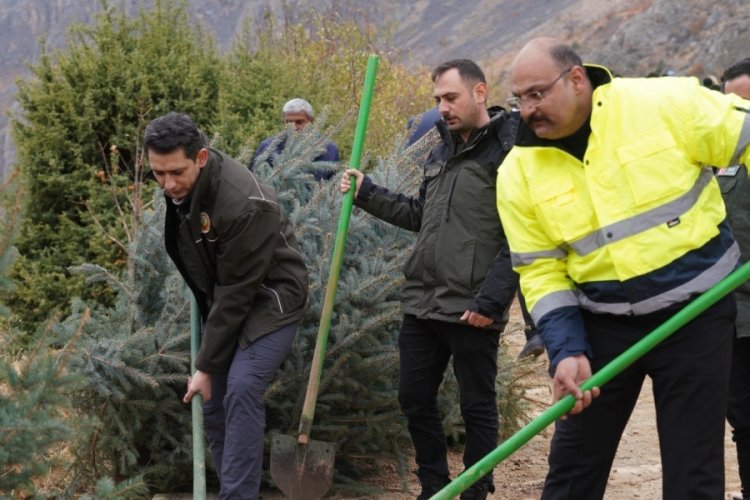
<point>238,253</point>
<point>461,259</point>
<point>735,188</point>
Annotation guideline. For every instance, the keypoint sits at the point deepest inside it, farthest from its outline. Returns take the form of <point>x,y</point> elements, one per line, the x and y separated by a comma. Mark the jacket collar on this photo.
<point>452,139</point>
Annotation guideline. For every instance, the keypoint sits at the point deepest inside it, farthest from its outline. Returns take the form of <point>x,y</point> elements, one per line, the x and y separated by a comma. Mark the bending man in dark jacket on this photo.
<point>228,237</point>
<point>459,282</point>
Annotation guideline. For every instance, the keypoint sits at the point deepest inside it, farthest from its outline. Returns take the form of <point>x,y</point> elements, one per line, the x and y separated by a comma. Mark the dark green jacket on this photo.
<point>735,188</point>
<point>238,253</point>
<point>461,259</point>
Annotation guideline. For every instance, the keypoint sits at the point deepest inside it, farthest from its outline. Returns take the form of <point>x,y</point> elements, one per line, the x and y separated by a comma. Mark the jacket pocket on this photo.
<point>728,183</point>
<point>654,168</point>
<point>413,265</point>
<point>561,208</point>
<point>456,265</point>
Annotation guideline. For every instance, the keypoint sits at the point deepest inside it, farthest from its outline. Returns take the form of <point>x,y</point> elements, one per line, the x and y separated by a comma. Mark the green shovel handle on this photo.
<point>311,396</point>
<point>607,373</point>
<point>196,406</point>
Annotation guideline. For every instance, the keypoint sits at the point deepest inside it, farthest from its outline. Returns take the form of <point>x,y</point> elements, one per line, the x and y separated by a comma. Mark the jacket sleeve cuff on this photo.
<point>490,312</point>
<point>564,335</point>
<point>365,191</point>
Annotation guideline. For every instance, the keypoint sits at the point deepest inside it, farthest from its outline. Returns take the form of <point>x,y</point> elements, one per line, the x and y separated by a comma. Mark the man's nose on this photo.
<point>527,109</point>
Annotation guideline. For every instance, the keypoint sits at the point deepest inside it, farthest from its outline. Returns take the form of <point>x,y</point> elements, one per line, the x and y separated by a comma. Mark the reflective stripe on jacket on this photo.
<point>638,226</point>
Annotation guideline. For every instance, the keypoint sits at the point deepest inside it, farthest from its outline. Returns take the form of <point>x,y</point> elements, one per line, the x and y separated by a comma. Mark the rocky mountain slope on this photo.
<point>633,37</point>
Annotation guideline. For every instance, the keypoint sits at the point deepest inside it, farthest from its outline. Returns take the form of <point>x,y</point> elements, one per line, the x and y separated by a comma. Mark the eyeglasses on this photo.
<point>534,97</point>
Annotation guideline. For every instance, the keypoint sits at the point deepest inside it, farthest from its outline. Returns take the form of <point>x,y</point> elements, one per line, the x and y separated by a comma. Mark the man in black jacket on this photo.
<point>735,188</point>
<point>231,242</point>
<point>459,281</point>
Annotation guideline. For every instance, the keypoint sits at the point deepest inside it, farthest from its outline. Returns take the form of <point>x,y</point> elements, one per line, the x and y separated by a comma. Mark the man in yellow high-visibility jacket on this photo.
<point>615,222</point>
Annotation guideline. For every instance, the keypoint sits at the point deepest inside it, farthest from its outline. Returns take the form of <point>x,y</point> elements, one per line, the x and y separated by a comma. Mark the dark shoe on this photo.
<point>478,491</point>
<point>534,347</point>
<point>431,484</point>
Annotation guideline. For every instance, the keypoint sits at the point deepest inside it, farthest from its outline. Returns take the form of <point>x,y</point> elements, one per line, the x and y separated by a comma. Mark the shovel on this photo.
<point>303,468</point>
<point>604,375</point>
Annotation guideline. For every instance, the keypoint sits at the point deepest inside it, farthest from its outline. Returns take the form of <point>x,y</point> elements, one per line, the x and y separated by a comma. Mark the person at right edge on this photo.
<point>459,282</point>
<point>615,223</point>
<point>735,187</point>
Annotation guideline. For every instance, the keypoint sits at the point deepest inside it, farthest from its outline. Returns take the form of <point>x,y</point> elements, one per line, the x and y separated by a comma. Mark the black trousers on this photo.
<point>690,374</point>
<point>425,347</point>
<point>738,412</point>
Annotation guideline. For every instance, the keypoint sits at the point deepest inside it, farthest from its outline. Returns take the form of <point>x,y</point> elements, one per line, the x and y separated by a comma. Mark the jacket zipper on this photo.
<point>450,196</point>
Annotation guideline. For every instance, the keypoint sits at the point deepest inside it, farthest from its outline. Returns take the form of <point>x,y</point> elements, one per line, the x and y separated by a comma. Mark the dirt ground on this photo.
<point>636,472</point>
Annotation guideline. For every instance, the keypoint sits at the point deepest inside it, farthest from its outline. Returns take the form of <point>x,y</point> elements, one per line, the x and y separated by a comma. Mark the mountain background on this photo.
<point>632,37</point>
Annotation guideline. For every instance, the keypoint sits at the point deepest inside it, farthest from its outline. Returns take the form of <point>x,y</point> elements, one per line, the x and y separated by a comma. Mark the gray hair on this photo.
<point>298,105</point>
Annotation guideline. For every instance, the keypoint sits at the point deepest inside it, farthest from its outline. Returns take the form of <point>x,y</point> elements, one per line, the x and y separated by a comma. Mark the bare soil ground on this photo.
<point>636,472</point>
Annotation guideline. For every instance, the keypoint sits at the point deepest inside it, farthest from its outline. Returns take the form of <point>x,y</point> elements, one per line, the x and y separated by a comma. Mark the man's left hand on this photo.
<point>199,383</point>
<point>476,319</point>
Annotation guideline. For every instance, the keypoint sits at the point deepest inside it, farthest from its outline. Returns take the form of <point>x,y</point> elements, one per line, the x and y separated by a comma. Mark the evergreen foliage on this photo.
<point>322,61</point>
<point>11,196</point>
<point>34,402</point>
<point>134,357</point>
<point>84,111</point>
<point>107,489</point>
<point>357,407</point>
<point>89,233</point>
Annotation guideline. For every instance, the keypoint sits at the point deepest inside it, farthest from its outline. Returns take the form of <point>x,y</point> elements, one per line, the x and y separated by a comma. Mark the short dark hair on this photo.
<point>739,68</point>
<point>173,131</point>
<point>564,56</point>
<point>468,70</point>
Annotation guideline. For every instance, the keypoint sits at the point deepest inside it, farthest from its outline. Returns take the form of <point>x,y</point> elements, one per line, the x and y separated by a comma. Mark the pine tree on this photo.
<point>34,399</point>
<point>357,408</point>
<point>322,61</point>
<point>83,114</point>
<point>134,357</point>
<point>11,196</point>
<point>84,109</point>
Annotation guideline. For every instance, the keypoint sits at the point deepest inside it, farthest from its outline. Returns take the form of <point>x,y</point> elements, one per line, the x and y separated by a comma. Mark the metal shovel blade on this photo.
<point>302,471</point>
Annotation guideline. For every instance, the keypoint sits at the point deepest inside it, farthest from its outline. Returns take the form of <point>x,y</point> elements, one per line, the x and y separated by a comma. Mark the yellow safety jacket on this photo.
<point>635,223</point>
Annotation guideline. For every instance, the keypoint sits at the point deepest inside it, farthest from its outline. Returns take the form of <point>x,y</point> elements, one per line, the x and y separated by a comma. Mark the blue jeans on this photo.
<point>235,417</point>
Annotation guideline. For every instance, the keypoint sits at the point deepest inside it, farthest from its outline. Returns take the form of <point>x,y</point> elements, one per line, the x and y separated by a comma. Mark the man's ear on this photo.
<point>480,92</point>
<point>202,157</point>
<point>578,78</point>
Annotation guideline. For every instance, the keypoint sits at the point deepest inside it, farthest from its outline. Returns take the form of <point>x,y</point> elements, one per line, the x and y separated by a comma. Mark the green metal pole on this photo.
<point>308,410</point>
<point>199,454</point>
<point>607,373</point>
